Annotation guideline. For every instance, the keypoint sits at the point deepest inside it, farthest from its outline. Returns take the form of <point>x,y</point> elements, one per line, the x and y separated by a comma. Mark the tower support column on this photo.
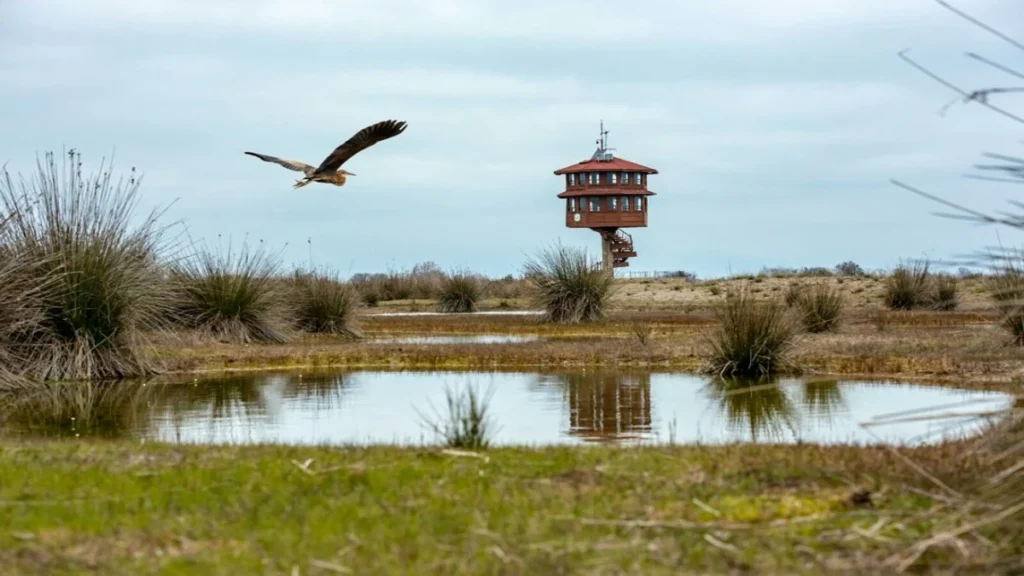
<point>606,252</point>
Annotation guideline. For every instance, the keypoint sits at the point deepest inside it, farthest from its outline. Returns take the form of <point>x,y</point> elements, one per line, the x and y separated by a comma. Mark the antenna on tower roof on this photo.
<point>603,153</point>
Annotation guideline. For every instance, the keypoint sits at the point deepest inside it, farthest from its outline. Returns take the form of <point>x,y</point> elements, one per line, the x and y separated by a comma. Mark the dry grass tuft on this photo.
<point>1006,288</point>
<point>946,293</point>
<point>820,308</point>
<point>233,297</point>
<point>752,340</point>
<point>643,331</point>
<point>908,288</point>
<point>569,286</point>
<point>326,305</point>
<point>460,292</point>
<point>91,271</point>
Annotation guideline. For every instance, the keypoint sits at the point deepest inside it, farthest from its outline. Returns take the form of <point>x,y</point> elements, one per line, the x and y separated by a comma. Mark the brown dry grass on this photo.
<point>965,345</point>
<point>679,295</point>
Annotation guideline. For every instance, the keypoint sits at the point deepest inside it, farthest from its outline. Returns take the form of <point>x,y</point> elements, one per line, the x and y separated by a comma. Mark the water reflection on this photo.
<point>105,410</point>
<point>606,406</point>
<point>823,399</point>
<point>529,408</point>
<point>760,407</point>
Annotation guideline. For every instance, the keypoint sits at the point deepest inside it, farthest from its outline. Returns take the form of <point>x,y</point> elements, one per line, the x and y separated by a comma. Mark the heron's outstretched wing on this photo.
<point>361,141</point>
<point>289,164</point>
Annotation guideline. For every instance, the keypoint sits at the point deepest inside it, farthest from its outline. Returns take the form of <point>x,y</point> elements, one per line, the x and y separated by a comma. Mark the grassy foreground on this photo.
<point>120,508</point>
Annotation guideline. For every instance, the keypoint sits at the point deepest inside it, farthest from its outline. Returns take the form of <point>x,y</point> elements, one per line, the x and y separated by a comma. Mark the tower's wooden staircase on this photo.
<point>621,246</point>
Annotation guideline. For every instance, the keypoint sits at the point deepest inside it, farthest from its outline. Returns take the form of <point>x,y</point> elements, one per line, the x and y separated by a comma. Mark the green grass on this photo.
<point>569,286</point>
<point>234,296</point>
<point>130,508</point>
<point>90,269</point>
<point>467,424</point>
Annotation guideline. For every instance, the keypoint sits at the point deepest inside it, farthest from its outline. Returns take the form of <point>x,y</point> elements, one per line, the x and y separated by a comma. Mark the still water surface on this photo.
<point>367,407</point>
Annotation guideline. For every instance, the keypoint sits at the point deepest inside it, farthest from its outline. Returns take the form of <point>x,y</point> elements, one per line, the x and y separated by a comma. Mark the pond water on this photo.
<point>366,407</point>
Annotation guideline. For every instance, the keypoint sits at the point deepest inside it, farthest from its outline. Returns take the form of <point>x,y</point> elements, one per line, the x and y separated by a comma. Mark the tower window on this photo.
<point>572,204</point>
<point>637,178</point>
<point>612,203</point>
<point>572,179</point>
<point>595,178</point>
<point>595,204</point>
<point>625,203</point>
<point>613,178</point>
<point>638,203</point>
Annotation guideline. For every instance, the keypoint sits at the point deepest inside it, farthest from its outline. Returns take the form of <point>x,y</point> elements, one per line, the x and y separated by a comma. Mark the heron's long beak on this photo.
<point>347,173</point>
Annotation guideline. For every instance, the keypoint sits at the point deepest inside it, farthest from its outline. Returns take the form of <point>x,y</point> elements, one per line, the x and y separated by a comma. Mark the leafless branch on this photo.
<point>1014,221</point>
<point>995,65</point>
<point>980,24</point>
<point>979,96</point>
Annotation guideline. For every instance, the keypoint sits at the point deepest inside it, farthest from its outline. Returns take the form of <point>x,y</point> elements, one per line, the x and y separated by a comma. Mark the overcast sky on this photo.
<point>775,124</point>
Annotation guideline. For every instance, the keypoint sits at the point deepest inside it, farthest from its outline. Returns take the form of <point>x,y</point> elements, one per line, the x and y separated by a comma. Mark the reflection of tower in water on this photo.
<point>608,407</point>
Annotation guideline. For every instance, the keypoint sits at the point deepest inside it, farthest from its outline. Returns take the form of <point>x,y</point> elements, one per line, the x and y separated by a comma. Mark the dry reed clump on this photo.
<point>423,282</point>
<point>820,308</point>
<point>507,288</point>
<point>21,311</point>
<point>752,338</point>
<point>232,297</point>
<point>460,292</point>
<point>908,288</point>
<point>326,305</point>
<point>568,286</point>
<point>946,296</point>
<point>1006,288</point>
<point>427,281</point>
<point>794,291</point>
<point>978,527</point>
<point>642,331</point>
<point>92,273</point>
<point>880,319</point>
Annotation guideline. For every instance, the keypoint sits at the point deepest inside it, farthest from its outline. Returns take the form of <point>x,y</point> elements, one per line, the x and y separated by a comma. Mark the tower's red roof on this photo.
<point>613,165</point>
